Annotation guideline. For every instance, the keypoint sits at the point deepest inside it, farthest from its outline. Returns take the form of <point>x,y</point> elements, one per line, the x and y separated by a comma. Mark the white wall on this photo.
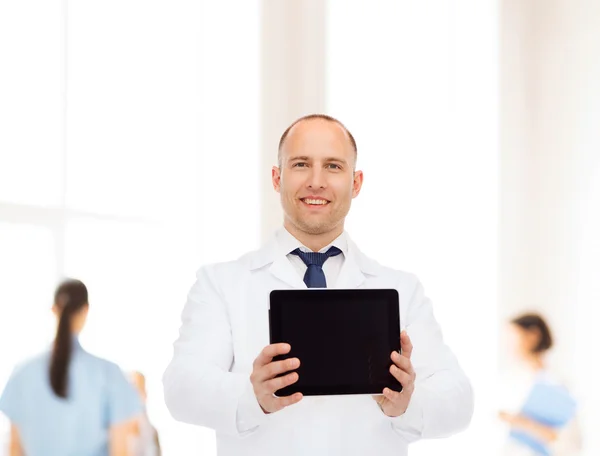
<point>420,94</point>
<point>551,160</point>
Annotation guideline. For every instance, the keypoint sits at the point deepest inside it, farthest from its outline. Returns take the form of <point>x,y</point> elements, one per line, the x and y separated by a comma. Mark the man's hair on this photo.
<point>310,117</point>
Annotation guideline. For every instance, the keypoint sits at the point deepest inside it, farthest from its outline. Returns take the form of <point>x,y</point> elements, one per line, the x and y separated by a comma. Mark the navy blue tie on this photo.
<point>314,276</point>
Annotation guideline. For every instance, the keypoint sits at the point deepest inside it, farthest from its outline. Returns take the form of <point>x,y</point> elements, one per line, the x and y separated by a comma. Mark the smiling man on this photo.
<point>222,374</point>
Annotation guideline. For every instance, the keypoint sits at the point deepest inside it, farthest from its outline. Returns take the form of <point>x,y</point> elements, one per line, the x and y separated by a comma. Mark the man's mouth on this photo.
<point>314,201</point>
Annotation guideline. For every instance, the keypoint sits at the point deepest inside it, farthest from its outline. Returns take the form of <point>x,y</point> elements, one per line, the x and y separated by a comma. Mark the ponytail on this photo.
<point>70,297</point>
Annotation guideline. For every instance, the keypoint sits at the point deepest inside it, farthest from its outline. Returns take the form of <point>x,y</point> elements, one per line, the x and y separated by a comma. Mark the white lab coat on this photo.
<point>225,326</point>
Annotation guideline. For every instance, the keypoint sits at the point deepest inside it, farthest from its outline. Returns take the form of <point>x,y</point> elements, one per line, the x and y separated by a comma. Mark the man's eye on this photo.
<point>334,166</point>
<point>299,165</point>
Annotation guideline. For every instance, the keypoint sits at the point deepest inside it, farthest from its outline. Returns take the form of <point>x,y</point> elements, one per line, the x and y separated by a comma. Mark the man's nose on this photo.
<point>317,178</point>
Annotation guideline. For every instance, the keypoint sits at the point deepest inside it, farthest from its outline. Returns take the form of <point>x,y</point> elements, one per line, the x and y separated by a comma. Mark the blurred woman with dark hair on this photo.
<point>543,422</point>
<point>67,402</point>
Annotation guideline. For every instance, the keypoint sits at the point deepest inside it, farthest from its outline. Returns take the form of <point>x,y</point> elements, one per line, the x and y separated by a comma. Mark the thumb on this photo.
<point>405,344</point>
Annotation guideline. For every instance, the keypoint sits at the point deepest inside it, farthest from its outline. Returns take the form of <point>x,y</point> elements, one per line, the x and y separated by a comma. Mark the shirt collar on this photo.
<point>286,243</point>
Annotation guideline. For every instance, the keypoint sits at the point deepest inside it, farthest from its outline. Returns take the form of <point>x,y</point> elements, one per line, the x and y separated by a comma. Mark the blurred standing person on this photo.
<point>541,412</point>
<point>67,402</point>
<point>145,442</point>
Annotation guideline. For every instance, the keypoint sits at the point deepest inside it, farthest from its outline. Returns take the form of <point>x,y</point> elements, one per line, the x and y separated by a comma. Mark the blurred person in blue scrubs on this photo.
<point>67,402</point>
<point>539,410</point>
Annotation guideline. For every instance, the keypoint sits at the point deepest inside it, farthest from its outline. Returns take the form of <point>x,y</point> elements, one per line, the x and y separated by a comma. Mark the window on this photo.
<point>129,158</point>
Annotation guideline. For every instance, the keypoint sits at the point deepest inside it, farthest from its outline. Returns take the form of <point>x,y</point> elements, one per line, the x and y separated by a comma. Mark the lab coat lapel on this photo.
<point>278,265</point>
<point>356,268</point>
<point>283,270</point>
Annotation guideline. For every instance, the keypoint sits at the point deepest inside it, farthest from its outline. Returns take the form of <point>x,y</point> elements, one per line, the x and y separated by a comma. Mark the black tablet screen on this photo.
<point>343,338</point>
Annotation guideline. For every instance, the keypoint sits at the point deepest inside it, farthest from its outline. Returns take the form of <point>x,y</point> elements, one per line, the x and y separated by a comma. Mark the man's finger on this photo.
<point>283,402</point>
<point>403,377</point>
<point>402,362</point>
<point>271,386</point>
<point>273,369</point>
<point>269,352</point>
<point>405,344</point>
<point>393,396</point>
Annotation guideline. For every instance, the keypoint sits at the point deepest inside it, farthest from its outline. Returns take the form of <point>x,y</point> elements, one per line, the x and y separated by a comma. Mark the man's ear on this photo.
<point>276,178</point>
<point>357,184</point>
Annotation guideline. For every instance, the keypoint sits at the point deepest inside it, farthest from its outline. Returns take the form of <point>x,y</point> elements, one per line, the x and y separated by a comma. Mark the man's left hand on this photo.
<point>394,403</point>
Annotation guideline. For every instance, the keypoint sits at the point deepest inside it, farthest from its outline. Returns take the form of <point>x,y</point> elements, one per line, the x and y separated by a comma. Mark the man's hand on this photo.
<point>394,403</point>
<point>264,382</point>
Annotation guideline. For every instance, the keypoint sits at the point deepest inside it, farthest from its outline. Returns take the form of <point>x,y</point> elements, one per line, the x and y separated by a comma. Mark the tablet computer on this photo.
<point>343,338</point>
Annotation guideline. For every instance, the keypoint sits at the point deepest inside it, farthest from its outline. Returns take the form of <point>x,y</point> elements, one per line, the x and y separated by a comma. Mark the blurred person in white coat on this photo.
<point>530,431</point>
<point>222,374</point>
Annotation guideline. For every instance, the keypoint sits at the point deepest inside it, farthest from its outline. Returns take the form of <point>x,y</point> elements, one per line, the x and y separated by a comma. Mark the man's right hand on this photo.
<point>264,382</point>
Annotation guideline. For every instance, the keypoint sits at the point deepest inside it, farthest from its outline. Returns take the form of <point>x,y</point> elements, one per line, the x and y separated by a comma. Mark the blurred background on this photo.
<point>137,138</point>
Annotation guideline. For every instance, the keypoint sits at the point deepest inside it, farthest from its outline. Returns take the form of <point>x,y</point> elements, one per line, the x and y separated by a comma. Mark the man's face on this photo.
<point>316,178</point>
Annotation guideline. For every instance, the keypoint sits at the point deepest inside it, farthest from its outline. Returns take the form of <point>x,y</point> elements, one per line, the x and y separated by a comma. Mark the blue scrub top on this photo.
<point>98,397</point>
